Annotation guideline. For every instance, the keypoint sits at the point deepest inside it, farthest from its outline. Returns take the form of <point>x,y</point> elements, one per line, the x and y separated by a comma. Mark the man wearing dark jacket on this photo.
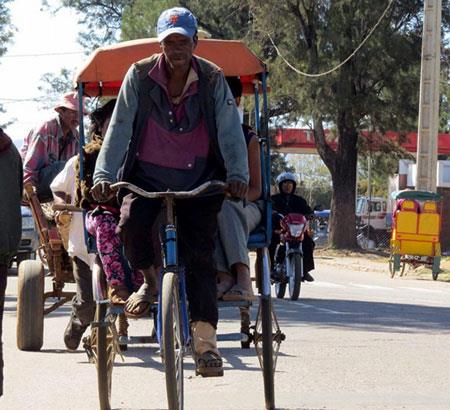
<point>287,202</point>
<point>10,218</point>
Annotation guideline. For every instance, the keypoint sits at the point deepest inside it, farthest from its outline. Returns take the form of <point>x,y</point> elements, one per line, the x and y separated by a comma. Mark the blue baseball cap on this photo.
<point>177,20</point>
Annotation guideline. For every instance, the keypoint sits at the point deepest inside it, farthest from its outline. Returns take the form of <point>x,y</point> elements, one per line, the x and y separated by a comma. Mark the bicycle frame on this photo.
<point>169,243</point>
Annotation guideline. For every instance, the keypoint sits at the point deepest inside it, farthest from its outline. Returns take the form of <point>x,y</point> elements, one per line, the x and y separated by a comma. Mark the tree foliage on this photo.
<point>377,89</point>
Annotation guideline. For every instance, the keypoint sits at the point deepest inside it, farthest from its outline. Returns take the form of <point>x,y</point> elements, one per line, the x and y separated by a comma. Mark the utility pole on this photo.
<point>429,97</point>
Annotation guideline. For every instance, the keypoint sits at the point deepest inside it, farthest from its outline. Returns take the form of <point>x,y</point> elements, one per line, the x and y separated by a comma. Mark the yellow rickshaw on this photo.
<point>416,231</point>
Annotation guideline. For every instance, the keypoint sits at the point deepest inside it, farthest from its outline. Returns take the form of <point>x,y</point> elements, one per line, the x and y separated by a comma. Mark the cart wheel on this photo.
<point>246,338</point>
<point>122,331</point>
<point>104,351</point>
<point>30,306</point>
<point>403,268</point>
<point>295,278</point>
<point>172,341</point>
<point>391,266</point>
<point>436,268</point>
<point>263,331</point>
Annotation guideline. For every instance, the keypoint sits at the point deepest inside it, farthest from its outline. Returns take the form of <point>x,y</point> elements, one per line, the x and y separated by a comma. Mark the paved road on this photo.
<point>356,340</point>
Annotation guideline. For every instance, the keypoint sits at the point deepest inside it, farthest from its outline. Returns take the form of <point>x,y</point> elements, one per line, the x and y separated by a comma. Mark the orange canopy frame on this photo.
<point>105,69</point>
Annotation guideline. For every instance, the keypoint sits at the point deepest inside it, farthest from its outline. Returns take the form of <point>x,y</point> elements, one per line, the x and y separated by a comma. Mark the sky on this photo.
<point>38,32</point>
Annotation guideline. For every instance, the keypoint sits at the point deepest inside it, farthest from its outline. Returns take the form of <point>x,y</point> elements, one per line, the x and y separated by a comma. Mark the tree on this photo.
<point>376,89</point>
<point>102,19</point>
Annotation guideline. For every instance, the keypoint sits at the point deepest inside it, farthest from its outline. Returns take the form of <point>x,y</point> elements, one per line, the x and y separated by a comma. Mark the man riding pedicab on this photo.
<point>175,126</point>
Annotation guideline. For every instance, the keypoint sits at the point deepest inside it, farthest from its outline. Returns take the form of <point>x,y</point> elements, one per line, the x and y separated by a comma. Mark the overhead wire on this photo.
<point>341,63</point>
<point>62,53</point>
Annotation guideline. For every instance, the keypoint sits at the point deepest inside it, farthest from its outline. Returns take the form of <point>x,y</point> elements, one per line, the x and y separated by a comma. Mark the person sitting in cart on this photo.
<point>64,187</point>
<point>174,127</point>
<point>102,218</point>
<point>285,202</point>
<point>236,221</point>
<point>48,146</point>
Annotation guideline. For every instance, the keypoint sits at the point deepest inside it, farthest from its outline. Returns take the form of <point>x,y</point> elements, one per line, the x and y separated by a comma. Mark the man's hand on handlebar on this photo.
<point>102,192</point>
<point>237,189</point>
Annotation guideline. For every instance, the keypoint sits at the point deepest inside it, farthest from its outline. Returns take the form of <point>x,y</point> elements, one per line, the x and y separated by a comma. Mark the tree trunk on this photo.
<point>342,166</point>
<point>343,219</point>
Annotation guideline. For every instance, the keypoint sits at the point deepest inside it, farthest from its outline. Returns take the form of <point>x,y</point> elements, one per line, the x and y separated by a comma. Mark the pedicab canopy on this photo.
<point>105,69</point>
<point>418,195</point>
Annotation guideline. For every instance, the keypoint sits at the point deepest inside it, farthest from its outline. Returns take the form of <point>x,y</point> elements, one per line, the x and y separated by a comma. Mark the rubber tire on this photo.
<point>170,305</point>
<point>104,378</point>
<point>295,283</point>
<point>402,268</point>
<point>30,306</point>
<point>391,266</point>
<point>267,347</point>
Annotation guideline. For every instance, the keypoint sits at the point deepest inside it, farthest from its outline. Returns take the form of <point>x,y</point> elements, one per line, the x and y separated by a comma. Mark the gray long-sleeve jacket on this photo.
<point>230,138</point>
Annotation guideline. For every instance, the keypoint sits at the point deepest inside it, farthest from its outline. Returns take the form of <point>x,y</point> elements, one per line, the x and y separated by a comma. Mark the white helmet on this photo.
<point>287,176</point>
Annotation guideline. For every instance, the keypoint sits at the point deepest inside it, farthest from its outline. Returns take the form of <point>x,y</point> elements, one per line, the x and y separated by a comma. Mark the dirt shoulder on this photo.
<point>374,262</point>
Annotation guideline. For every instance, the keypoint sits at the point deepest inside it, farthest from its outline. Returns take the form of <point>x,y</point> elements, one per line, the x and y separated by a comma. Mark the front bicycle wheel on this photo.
<point>102,344</point>
<point>172,341</point>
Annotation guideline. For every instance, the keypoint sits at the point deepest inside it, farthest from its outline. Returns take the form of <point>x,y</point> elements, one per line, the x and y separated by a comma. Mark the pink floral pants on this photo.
<point>109,247</point>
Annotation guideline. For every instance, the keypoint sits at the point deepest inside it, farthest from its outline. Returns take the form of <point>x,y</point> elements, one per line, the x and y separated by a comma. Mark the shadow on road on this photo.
<point>361,315</point>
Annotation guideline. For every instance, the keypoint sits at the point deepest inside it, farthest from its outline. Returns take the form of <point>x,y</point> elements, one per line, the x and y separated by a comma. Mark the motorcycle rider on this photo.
<point>285,202</point>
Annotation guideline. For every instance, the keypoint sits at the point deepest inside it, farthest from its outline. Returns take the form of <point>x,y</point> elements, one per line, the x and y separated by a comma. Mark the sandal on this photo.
<point>238,293</point>
<point>138,304</point>
<point>209,364</point>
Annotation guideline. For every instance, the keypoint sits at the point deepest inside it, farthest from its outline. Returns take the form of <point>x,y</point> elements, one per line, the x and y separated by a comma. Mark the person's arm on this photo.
<point>36,158</point>
<point>254,167</point>
<point>230,136</point>
<point>119,132</point>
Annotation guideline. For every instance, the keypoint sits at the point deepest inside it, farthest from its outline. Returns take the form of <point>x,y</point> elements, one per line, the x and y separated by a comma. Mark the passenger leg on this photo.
<point>83,306</point>
<point>308,260</point>
<point>137,216</point>
<point>109,247</point>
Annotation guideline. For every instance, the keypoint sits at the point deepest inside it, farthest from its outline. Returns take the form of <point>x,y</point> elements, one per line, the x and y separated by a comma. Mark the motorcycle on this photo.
<point>288,259</point>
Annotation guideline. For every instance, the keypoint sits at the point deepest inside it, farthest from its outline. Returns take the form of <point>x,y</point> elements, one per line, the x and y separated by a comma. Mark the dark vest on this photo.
<point>208,74</point>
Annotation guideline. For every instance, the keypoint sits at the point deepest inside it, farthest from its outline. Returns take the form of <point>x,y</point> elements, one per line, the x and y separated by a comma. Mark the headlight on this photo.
<point>27,223</point>
<point>296,229</point>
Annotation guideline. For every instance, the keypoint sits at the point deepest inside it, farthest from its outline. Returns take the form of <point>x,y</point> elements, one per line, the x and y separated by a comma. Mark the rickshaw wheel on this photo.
<point>30,306</point>
<point>402,268</point>
<point>104,350</point>
<point>295,279</point>
<point>264,338</point>
<point>172,341</point>
<point>246,338</point>
<point>391,266</point>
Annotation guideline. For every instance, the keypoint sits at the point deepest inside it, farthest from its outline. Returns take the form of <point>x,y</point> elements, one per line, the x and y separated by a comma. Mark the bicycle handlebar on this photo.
<point>174,194</point>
